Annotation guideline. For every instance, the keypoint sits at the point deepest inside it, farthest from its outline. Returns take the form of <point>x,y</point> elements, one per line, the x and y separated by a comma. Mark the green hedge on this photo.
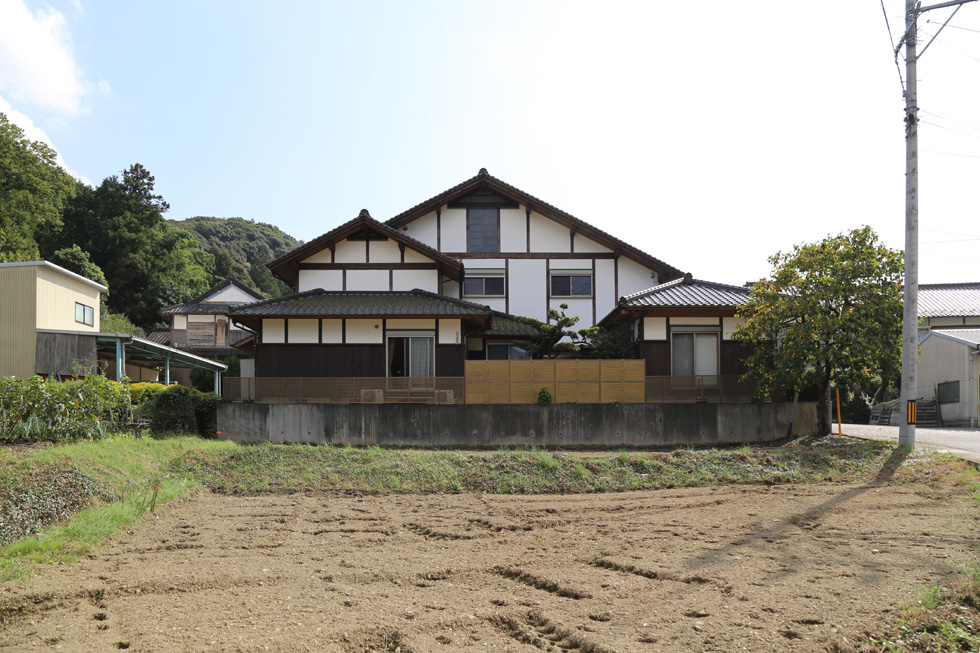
<point>94,407</point>
<point>39,409</point>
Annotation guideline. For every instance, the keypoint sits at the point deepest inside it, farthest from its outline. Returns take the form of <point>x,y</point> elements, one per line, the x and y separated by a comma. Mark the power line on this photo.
<point>966,156</point>
<point>955,131</point>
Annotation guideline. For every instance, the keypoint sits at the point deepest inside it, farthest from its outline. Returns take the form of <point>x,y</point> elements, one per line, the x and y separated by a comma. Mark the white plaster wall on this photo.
<point>248,368</point>
<point>411,279</point>
<point>229,295</point>
<point>365,332</point>
<point>180,321</point>
<point>548,236</point>
<point>940,361</point>
<point>585,244</point>
<point>513,230</point>
<point>350,251</point>
<point>410,324</point>
<point>496,303</point>
<point>453,230</point>
<point>450,332</point>
<point>367,279</point>
<point>423,230</point>
<point>633,277</point>
<point>323,256</point>
<point>333,332</point>
<point>571,266</point>
<point>384,251</point>
<point>273,331</point>
<point>654,328</point>
<point>604,285</point>
<point>304,331</point>
<point>200,318</point>
<point>580,307</point>
<point>450,289</point>
<point>326,279</point>
<point>528,285</point>
<point>411,256</point>
<point>728,325</point>
<point>694,321</point>
<point>481,266</point>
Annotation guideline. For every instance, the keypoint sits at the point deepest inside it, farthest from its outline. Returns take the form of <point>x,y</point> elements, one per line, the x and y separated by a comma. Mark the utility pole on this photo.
<point>910,315</point>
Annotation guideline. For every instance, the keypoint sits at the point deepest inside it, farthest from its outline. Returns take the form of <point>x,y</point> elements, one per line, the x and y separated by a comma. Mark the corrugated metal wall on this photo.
<point>568,381</point>
<point>56,297</point>
<point>18,298</point>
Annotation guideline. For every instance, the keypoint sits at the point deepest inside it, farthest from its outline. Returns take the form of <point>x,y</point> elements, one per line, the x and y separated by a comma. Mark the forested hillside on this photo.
<point>115,233</point>
<point>243,248</point>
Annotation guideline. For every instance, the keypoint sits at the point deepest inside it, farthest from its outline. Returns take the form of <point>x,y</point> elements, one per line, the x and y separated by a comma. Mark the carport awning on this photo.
<point>139,351</point>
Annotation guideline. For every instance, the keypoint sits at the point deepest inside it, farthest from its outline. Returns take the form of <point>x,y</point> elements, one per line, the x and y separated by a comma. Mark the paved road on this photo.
<point>964,442</point>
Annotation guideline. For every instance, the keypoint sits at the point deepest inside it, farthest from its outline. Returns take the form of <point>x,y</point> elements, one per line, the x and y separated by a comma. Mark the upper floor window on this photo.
<point>483,287</point>
<point>84,314</point>
<point>482,230</point>
<point>571,285</point>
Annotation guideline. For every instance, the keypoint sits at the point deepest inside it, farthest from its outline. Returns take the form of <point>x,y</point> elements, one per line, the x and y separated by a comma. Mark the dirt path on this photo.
<point>786,568</point>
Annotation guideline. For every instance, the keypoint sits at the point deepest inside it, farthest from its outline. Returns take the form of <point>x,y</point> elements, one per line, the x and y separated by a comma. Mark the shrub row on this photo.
<point>91,408</point>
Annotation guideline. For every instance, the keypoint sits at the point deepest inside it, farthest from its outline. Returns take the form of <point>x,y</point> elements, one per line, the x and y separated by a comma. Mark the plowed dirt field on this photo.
<point>729,568</point>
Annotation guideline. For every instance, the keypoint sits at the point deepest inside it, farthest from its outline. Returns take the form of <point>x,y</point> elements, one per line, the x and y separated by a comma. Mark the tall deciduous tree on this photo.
<point>831,312</point>
<point>33,190</point>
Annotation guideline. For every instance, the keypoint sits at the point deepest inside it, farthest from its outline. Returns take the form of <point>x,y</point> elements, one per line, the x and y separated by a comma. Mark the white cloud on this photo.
<point>35,133</point>
<point>37,64</point>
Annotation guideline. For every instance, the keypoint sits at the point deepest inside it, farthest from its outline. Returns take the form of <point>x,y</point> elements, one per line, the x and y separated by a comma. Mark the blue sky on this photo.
<point>710,135</point>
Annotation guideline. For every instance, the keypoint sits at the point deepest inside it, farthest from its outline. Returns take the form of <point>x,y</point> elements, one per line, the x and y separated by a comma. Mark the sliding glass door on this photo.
<point>412,356</point>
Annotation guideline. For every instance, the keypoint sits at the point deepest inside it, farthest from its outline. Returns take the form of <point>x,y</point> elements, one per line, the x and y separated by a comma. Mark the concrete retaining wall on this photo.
<point>469,425</point>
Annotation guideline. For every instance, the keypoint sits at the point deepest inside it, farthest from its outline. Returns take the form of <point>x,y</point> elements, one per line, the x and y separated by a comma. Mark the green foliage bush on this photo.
<point>179,409</point>
<point>39,409</point>
<point>144,391</point>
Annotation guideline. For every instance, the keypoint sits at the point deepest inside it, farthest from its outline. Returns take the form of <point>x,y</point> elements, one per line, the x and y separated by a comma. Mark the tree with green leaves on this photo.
<point>33,190</point>
<point>830,313</point>
<point>551,337</point>
<point>148,262</point>
<point>612,341</point>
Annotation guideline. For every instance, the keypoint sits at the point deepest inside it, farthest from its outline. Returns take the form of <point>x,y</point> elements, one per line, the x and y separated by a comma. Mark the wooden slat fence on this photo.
<point>568,381</point>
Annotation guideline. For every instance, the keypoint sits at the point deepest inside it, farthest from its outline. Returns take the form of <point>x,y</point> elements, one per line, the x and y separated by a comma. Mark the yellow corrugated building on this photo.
<point>41,295</point>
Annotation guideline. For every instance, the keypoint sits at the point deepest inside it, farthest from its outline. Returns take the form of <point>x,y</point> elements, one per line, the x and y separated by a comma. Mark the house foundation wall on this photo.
<point>468,425</point>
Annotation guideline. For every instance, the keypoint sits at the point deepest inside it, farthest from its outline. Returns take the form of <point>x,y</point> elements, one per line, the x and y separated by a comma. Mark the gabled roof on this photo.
<point>321,303</point>
<point>949,300</point>
<point>56,268</point>
<point>287,267</point>
<point>484,181</point>
<point>970,337</point>
<point>684,296</point>
<point>195,307</point>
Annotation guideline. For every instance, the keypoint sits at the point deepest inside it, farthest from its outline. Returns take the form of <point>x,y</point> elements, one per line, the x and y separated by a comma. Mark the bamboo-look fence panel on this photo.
<point>568,381</point>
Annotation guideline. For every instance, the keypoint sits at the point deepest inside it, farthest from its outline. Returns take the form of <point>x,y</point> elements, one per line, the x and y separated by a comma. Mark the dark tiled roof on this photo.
<point>689,292</point>
<point>323,303</point>
<point>502,324</point>
<point>198,309</point>
<point>949,300</point>
<point>485,179</point>
<point>159,336</point>
<point>195,307</point>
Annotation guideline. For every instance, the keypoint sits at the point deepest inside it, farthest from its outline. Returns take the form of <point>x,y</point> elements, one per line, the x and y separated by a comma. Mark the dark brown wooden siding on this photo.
<point>733,355</point>
<point>320,360</point>
<point>657,356</point>
<point>450,360</point>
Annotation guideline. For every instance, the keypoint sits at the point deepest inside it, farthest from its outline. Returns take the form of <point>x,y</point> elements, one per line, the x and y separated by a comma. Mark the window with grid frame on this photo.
<point>482,230</point>
<point>571,285</point>
<point>489,286</point>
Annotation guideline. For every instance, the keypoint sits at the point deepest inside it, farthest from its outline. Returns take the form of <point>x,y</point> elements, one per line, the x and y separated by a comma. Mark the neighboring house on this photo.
<point>684,330</point>
<point>483,241</point>
<point>202,327</point>
<point>49,325</point>
<point>949,306</point>
<point>948,371</point>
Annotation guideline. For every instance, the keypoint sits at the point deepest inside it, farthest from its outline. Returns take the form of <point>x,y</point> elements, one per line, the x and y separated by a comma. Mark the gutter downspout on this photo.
<point>974,387</point>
